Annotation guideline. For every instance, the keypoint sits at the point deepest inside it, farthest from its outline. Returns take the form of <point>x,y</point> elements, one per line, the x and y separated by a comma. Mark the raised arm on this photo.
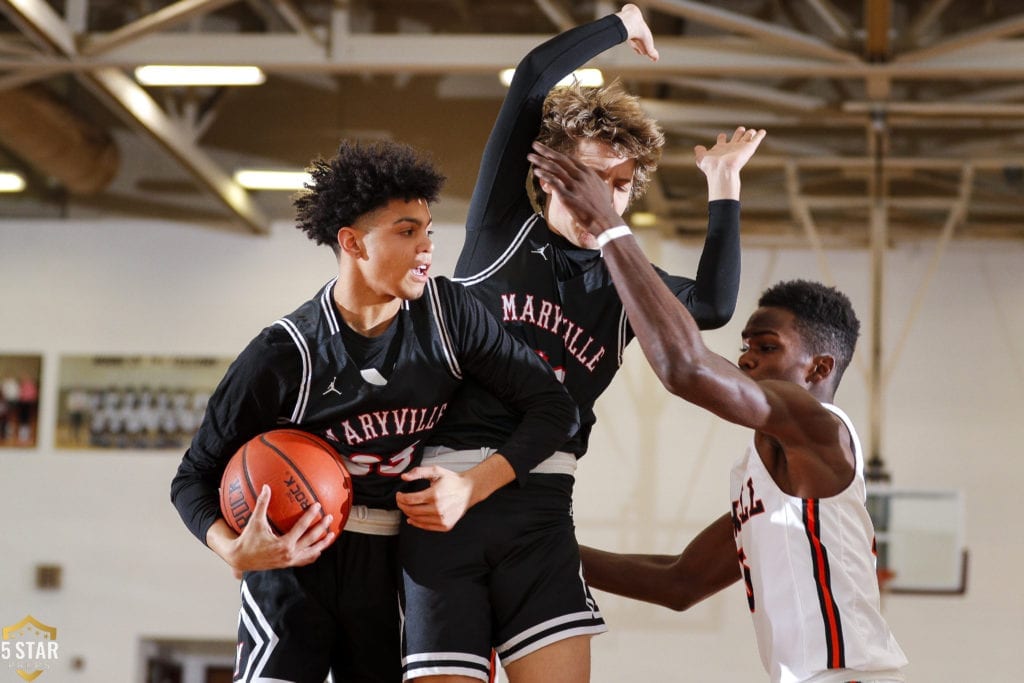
<point>501,182</point>
<point>711,296</point>
<point>707,565</point>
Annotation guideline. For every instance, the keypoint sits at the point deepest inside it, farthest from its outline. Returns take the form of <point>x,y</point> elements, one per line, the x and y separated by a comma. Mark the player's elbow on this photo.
<point>679,373</point>
<point>717,314</point>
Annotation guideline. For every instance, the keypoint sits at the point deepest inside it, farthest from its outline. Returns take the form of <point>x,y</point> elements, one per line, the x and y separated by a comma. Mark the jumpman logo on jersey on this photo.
<point>541,251</point>
<point>332,388</point>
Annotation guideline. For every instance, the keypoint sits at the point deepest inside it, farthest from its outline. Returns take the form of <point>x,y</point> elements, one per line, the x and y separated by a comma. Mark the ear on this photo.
<point>820,369</point>
<point>350,241</point>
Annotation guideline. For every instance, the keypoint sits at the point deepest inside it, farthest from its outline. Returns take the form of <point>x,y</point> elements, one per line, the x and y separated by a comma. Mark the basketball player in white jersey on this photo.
<point>798,524</point>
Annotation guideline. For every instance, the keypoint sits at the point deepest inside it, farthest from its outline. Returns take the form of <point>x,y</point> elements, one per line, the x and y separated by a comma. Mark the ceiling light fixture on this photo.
<point>253,179</point>
<point>11,182</point>
<point>167,74</point>
<point>643,219</point>
<point>588,78</point>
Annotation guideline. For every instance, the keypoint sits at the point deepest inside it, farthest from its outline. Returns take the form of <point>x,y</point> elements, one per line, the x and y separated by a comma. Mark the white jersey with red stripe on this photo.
<point>809,569</point>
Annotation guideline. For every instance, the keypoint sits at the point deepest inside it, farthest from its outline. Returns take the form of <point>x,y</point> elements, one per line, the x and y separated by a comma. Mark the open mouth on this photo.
<point>421,270</point>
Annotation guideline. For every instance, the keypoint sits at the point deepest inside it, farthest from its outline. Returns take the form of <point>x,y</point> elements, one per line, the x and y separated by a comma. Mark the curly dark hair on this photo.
<point>573,113</point>
<point>360,178</point>
<point>824,317</point>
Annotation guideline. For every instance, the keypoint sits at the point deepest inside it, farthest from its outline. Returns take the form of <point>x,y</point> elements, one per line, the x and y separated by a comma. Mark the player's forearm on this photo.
<point>666,331</point>
<point>221,539</point>
<point>489,476</point>
<point>640,577</point>
<point>717,282</point>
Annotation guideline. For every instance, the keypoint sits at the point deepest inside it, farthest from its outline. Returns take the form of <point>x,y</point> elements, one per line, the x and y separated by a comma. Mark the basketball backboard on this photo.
<point>920,539</point>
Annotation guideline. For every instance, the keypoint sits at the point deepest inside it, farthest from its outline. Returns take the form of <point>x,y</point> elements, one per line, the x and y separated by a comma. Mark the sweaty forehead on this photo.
<point>769,320</point>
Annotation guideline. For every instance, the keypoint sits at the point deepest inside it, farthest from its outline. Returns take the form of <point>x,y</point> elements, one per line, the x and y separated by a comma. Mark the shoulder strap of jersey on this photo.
<point>857,452</point>
<point>494,267</point>
<point>447,346</point>
<point>302,340</point>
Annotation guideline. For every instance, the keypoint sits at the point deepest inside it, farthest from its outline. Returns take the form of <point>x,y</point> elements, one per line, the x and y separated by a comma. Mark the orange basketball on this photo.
<point>300,468</point>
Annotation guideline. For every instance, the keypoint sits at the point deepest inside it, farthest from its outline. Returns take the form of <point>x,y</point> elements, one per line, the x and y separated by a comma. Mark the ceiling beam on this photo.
<point>926,19</point>
<point>37,20</point>
<point>832,18</point>
<point>985,34</point>
<point>446,53</point>
<point>163,18</point>
<point>556,14</point>
<point>794,41</point>
<point>139,109</point>
<point>129,98</point>
<point>747,90</point>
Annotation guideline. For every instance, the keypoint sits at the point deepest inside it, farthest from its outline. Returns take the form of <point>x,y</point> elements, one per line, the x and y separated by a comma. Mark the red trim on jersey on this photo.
<point>823,582</point>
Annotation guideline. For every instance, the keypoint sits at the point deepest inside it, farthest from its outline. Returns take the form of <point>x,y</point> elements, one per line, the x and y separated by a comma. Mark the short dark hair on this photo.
<point>573,113</point>
<point>824,318</point>
<point>360,178</point>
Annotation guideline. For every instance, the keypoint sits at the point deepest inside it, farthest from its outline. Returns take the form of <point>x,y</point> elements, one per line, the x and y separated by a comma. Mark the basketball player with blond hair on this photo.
<point>369,364</point>
<point>507,576</point>
<point>798,534</point>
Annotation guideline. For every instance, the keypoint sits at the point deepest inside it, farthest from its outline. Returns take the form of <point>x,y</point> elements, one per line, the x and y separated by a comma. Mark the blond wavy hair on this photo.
<point>609,114</point>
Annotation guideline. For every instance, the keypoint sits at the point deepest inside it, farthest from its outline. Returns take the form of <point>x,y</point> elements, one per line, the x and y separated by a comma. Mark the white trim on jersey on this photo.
<point>264,639</point>
<point>327,303</point>
<point>522,644</point>
<point>307,368</point>
<point>455,664</point>
<point>490,270</point>
<point>623,321</point>
<point>442,330</point>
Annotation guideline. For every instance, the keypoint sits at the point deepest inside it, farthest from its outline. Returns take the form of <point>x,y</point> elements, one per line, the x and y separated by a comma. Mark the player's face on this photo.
<point>398,249</point>
<point>773,348</point>
<point>617,173</point>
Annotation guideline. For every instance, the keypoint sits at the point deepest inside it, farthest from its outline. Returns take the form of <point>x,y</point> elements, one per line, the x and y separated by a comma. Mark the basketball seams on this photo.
<point>295,469</point>
<point>292,462</point>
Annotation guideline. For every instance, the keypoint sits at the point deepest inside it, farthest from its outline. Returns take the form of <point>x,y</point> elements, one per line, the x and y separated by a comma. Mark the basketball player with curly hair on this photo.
<point>507,576</point>
<point>798,533</point>
<point>370,364</point>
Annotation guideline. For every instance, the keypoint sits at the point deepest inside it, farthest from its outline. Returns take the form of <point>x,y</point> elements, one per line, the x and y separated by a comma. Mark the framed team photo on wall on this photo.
<point>19,400</point>
<point>133,402</point>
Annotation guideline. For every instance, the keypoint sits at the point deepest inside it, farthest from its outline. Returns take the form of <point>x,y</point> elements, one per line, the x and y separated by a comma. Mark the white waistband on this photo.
<point>460,461</point>
<point>373,521</point>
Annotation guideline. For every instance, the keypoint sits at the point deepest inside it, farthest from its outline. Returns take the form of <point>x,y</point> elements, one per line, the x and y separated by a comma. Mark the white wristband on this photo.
<point>612,234</point>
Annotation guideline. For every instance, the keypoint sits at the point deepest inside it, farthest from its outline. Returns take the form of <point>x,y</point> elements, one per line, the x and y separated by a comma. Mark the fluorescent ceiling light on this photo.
<point>588,78</point>
<point>643,219</point>
<point>165,74</point>
<point>11,182</point>
<point>252,179</point>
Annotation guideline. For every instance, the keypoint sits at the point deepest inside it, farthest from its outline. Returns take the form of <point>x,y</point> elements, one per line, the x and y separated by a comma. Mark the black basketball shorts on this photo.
<point>339,614</point>
<point>507,577</point>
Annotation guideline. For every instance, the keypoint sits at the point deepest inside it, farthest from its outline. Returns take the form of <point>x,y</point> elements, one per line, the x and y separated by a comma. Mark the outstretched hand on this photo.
<point>637,32</point>
<point>578,186</point>
<point>722,163</point>
<point>259,548</point>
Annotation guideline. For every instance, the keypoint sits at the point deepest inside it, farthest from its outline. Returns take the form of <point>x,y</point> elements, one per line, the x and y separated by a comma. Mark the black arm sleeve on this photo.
<point>501,184</point>
<point>247,402</point>
<point>513,372</point>
<point>711,298</point>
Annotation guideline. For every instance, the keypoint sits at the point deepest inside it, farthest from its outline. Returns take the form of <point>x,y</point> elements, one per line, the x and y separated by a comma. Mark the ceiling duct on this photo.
<point>46,134</point>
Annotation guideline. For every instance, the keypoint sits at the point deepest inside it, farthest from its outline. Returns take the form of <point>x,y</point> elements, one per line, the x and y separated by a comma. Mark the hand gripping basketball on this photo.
<point>300,468</point>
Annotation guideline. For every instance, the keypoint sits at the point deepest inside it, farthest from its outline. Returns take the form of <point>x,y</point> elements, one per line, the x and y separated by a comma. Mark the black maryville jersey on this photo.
<point>300,372</point>
<point>559,298</point>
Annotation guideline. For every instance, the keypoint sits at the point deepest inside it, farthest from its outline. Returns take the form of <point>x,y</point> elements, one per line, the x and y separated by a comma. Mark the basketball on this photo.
<point>300,468</point>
